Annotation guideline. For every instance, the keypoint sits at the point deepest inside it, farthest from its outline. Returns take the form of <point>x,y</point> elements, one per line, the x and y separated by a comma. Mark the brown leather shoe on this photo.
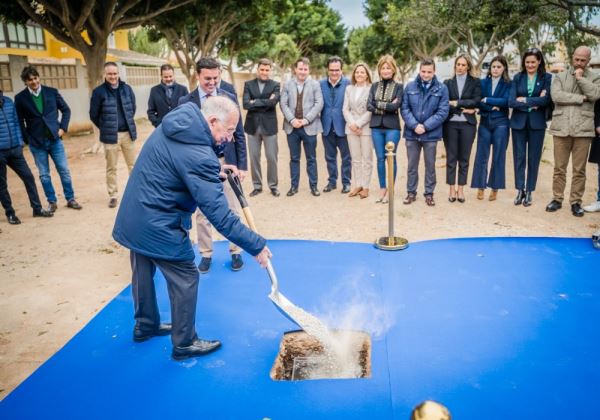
<point>480,192</point>
<point>73,204</point>
<point>429,200</point>
<point>364,193</point>
<point>493,195</point>
<point>410,198</point>
<point>355,192</point>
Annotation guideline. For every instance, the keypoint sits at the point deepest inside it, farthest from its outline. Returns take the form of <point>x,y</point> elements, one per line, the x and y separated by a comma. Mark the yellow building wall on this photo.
<point>60,50</point>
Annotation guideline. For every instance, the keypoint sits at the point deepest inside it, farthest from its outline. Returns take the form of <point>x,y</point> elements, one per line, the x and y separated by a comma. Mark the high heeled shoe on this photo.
<point>519,198</point>
<point>355,192</point>
<point>383,197</point>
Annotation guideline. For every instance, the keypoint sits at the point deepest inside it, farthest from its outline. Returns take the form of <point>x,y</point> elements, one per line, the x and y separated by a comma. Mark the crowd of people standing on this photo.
<point>355,116</point>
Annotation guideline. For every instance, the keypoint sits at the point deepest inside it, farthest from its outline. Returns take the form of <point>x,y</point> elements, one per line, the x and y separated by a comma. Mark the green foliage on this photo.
<point>141,42</point>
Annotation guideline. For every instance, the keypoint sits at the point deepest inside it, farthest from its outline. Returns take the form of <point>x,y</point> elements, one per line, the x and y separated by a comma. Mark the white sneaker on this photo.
<point>594,207</point>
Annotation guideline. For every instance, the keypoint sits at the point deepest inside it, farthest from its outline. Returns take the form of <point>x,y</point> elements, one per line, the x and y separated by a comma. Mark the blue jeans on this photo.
<point>297,137</point>
<point>381,136</point>
<point>56,150</point>
<point>491,136</point>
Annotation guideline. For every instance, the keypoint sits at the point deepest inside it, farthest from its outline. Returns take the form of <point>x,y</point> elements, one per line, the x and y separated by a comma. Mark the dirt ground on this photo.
<point>56,274</point>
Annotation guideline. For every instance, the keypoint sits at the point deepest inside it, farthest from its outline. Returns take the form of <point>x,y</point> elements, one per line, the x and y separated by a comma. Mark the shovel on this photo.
<point>309,323</point>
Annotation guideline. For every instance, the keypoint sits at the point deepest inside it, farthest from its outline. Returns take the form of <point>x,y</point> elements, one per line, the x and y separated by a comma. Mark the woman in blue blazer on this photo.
<point>529,98</point>
<point>493,130</point>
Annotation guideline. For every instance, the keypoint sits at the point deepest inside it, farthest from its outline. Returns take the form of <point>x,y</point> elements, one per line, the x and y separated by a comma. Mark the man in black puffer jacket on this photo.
<point>112,110</point>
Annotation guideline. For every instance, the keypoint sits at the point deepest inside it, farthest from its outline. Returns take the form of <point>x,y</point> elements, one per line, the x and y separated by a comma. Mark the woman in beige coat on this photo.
<point>357,129</point>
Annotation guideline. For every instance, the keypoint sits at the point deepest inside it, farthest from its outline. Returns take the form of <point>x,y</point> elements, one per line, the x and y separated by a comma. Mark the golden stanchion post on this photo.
<point>390,242</point>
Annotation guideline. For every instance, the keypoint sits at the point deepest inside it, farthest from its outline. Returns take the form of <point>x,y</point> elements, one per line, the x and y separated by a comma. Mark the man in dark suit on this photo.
<point>164,96</point>
<point>261,95</point>
<point>232,156</point>
<point>334,125</point>
<point>37,109</point>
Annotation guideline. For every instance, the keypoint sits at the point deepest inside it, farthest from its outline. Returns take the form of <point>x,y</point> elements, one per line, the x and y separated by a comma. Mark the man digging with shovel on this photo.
<point>176,172</point>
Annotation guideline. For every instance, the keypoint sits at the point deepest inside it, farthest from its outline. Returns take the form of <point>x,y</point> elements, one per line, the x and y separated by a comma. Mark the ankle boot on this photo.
<point>493,195</point>
<point>520,197</point>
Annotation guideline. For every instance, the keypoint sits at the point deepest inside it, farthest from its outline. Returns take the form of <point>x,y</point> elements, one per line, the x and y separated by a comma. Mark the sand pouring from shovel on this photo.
<point>309,323</point>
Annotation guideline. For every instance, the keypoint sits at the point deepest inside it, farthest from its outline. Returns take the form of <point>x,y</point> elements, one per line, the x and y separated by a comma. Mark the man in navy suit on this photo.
<point>37,109</point>
<point>232,156</point>
<point>164,96</point>
<point>334,125</point>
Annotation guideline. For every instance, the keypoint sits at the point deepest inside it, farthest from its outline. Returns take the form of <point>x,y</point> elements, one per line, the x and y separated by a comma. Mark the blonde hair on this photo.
<point>389,60</point>
<point>364,66</point>
<point>467,58</point>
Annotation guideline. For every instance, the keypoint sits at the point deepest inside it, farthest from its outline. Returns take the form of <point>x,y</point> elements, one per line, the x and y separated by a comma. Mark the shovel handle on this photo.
<point>236,186</point>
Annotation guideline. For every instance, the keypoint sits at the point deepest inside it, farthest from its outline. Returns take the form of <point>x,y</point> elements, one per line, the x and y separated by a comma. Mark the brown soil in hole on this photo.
<point>312,362</point>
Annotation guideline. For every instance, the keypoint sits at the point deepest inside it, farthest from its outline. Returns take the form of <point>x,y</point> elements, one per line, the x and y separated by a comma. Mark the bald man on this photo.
<point>574,92</point>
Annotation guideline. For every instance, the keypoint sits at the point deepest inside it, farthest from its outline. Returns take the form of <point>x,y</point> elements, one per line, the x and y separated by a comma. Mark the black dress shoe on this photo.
<point>528,199</point>
<point>204,265</point>
<point>520,197</point>
<point>577,210</point>
<point>73,204</point>
<point>255,191</point>
<point>197,348</point>
<point>42,213</point>
<point>314,191</point>
<point>13,219</point>
<point>553,206</point>
<point>345,189</point>
<point>275,192</point>
<point>596,241</point>
<point>140,335</point>
<point>328,188</point>
<point>292,191</point>
<point>236,262</point>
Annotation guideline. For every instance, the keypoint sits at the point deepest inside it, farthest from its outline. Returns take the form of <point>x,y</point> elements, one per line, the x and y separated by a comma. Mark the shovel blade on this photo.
<point>307,322</point>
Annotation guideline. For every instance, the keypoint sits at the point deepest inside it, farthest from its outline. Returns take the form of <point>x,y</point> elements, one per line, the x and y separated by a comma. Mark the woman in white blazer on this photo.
<point>357,129</point>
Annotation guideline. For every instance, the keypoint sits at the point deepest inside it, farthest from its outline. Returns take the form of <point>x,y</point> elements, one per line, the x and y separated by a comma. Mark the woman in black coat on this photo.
<point>595,157</point>
<point>459,129</point>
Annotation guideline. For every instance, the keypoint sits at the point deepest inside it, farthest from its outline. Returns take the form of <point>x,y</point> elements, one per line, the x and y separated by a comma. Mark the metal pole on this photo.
<point>391,242</point>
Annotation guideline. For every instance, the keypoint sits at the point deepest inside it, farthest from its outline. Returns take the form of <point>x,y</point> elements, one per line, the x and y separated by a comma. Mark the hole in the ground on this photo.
<point>302,357</point>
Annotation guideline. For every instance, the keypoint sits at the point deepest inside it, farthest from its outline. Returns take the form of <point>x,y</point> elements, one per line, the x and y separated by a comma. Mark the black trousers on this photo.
<point>14,159</point>
<point>182,283</point>
<point>458,140</point>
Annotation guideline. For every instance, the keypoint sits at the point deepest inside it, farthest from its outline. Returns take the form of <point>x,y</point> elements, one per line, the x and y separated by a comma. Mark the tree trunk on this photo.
<point>95,57</point>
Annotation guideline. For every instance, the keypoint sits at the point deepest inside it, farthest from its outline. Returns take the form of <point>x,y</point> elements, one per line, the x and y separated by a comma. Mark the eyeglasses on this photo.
<point>533,50</point>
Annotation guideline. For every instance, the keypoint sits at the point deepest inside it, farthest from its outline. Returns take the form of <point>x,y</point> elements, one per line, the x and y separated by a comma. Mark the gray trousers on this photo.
<point>271,150</point>
<point>413,153</point>
<point>182,283</point>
